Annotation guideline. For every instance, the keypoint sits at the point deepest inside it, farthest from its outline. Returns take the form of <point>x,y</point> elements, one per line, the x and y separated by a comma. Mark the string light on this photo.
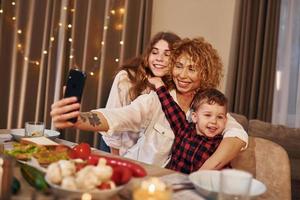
<point>119,27</point>
<point>35,62</point>
<point>121,11</point>
<point>113,12</point>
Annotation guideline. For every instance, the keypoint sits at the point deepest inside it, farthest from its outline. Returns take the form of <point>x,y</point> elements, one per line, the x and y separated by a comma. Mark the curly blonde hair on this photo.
<point>205,58</point>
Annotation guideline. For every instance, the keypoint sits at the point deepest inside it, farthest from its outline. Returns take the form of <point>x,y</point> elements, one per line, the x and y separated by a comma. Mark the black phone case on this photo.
<point>75,85</point>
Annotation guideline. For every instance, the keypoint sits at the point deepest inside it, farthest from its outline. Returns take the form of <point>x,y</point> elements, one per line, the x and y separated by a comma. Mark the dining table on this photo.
<point>178,180</point>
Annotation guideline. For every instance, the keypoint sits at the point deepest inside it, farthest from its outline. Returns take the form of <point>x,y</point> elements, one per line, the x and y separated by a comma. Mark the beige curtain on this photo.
<point>253,85</point>
<point>41,40</point>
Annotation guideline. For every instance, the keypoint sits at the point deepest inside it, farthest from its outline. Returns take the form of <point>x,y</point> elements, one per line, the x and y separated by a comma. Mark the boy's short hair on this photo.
<point>210,96</point>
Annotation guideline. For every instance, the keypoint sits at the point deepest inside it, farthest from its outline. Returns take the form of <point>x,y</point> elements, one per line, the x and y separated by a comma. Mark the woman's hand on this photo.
<point>156,81</point>
<point>63,110</point>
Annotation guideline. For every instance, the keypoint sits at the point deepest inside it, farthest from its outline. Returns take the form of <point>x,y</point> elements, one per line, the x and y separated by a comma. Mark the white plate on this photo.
<point>20,133</point>
<point>207,183</point>
<point>96,194</point>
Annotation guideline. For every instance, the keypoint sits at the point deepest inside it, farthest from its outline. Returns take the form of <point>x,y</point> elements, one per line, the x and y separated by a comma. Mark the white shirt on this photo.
<point>145,118</point>
<point>119,97</point>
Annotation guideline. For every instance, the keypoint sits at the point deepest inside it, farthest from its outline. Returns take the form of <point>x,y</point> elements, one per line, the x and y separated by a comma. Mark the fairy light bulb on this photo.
<point>45,52</point>
<point>59,24</point>
<point>13,3</point>
<point>19,31</point>
<point>72,10</point>
<point>117,59</point>
<point>102,43</point>
<point>119,27</point>
<point>37,63</point>
<point>26,58</point>
<point>95,58</point>
<point>70,39</point>
<point>121,11</point>
<point>71,56</point>
<point>19,46</point>
<point>121,42</point>
<point>92,73</point>
<point>113,12</point>
<point>13,18</point>
<point>52,39</point>
<point>69,25</point>
<point>65,7</point>
<point>105,27</point>
<point>1,11</point>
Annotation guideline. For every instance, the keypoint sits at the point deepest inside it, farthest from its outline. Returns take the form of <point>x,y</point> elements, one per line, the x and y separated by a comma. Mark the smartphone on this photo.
<point>74,86</point>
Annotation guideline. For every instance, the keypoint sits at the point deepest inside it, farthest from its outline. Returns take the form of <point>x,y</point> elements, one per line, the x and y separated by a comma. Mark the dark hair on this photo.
<point>206,59</point>
<point>138,68</point>
<point>210,96</point>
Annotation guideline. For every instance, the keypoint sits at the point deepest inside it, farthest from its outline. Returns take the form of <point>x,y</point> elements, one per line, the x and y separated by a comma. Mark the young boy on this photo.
<point>194,142</point>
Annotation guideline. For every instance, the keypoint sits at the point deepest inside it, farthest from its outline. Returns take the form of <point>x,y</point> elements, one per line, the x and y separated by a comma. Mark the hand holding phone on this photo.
<point>75,85</point>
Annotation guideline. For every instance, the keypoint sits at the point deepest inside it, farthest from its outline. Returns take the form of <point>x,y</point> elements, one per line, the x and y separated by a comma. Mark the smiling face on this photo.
<point>159,58</point>
<point>210,119</point>
<point>186,75</point>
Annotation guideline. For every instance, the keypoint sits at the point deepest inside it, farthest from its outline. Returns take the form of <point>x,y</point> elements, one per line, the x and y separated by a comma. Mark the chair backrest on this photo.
<point>270,164</point>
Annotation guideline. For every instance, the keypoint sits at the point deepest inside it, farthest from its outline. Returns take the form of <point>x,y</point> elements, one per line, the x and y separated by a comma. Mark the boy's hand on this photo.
<point>156,81</point>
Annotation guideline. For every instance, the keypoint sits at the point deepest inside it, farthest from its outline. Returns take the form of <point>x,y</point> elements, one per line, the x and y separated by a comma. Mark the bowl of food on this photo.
<point>207,183</point>
<point>94,175</point>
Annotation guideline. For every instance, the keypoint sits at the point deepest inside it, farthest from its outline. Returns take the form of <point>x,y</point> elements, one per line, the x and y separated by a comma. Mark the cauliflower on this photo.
<point>69,183</point>
<point>53,173</point>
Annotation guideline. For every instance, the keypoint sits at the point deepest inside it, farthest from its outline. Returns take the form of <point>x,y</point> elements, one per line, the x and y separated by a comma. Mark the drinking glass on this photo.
<point>234,184</point>
<point>34,129</point>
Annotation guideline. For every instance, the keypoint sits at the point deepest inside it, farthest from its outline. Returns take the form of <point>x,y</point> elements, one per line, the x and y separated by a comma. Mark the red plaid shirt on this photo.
<point>189,150</point>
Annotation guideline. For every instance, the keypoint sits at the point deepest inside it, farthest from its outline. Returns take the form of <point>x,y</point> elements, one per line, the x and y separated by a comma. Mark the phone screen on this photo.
<point>75,85</point>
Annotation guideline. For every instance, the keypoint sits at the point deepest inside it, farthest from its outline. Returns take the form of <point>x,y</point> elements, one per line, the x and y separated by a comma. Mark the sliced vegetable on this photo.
<point>34,177</point>
<point>15,186</point>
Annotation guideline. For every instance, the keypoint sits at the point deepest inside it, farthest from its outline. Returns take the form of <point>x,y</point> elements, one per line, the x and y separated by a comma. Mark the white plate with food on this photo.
<point>92,181</point>
<point>77,194</point>
<point>207,183</point>
<point>18,134</point>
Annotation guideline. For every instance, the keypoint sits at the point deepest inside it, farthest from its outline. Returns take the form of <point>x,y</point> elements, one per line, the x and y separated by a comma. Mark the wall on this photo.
<point>215,20</point>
